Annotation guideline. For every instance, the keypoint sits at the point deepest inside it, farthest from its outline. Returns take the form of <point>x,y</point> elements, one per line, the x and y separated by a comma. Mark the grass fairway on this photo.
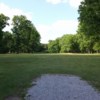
<point>18,70</point>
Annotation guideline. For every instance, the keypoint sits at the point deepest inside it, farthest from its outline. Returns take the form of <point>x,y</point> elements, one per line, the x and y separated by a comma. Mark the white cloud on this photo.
<point>56,1</point>
<point>57,29</point>
<point>47,32</point>
<point>73,3</point>
<point>10,12</point>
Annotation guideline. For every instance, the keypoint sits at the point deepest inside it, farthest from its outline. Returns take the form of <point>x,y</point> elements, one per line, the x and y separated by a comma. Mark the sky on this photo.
<point>52,18</point>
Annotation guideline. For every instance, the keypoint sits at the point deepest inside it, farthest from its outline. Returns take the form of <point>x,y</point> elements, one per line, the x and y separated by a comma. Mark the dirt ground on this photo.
<point>13,98</point>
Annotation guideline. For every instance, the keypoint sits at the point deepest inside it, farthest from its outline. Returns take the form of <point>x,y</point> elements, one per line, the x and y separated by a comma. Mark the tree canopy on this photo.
<point>24,37</point>
<point>89,23</point>
<point>89,19</point>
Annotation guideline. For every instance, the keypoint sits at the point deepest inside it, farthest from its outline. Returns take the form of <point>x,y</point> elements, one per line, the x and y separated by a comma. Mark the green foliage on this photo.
<point>53,46</point>
<point>69,43</point>
<point>89,11</point>
<point>26,35</point>
<point>3,23</point>
<point>7,42</point>
<point>89,22</point>
<point>85,43</point>
<point>43,48</point>
<point>96,46</point>
<point>24,39</point>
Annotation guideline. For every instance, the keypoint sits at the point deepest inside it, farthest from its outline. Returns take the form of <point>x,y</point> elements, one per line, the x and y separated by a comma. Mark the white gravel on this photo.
<point>61,87</point>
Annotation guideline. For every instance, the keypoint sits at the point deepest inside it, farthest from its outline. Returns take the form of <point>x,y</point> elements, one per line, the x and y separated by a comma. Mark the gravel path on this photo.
<point>61,87</point>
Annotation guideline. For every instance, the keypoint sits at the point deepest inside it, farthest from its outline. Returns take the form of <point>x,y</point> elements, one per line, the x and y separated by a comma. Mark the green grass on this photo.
<point>18,70</point>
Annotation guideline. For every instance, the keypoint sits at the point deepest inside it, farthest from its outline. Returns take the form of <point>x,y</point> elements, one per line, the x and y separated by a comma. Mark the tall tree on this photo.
<point>26,35</point>
<point>89,11</point>
<point>89,26</point>
<point>3,23</point>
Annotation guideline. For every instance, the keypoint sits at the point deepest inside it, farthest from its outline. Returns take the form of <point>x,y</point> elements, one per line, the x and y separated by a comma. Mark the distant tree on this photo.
<point>43,48</point>
<point>68,43</point>
<point>65,43</point>
<point>53,46</point>
<point>75,46</point>
<point>96,46</point>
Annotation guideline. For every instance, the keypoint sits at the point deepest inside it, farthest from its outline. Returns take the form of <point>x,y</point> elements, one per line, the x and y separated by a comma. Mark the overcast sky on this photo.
<point>52,18</point>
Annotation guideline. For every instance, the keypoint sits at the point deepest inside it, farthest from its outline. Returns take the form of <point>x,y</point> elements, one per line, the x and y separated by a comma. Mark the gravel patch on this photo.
<point>61,87</point>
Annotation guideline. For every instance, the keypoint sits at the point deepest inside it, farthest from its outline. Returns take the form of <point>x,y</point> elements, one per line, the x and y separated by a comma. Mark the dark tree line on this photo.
<point>24,37</point>
<point>3,23</point>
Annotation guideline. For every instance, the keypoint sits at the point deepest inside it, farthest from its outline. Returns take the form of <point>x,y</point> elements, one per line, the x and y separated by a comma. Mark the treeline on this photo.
<point>77,43</point>
<point>87,39</point>
<point>24,37</point>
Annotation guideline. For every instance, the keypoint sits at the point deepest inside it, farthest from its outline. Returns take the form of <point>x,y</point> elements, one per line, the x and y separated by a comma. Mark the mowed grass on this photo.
<point>18,70</point>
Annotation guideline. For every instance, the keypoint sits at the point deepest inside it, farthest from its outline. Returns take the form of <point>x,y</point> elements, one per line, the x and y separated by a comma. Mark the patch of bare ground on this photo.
<point>13,98</point>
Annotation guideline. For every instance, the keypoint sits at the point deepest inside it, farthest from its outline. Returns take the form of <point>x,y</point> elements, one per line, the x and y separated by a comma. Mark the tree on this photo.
<point>26,36</point>
<point>68,43</point>
<point>65,43</point>
<point>7,42</point>
<point>43,48</point>
<point>3,23</point>
<point>53,46</point>
<point>85,43</point>
<point>96,46</point>
<point>89,22</point>
<point>89,19</point>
